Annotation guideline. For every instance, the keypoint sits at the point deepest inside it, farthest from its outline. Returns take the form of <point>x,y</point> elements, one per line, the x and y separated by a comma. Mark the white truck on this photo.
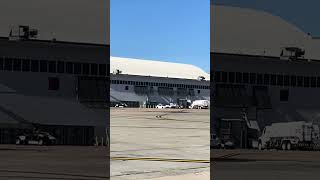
<point>289,136</point>
<point>200,104</point>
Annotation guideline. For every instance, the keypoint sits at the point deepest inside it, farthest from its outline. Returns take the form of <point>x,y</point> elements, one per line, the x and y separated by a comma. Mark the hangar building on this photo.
<point>146,83</point>
<point>264,66</point>
<point>55,86</point>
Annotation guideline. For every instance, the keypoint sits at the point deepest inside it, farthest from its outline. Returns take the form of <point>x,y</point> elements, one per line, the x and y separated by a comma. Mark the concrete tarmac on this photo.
<point>53,162</point>
<point>264,165</point>
<point>159,143</point>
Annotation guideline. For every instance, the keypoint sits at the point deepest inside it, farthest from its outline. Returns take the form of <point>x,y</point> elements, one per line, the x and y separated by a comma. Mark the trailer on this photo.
<point>298,135</point>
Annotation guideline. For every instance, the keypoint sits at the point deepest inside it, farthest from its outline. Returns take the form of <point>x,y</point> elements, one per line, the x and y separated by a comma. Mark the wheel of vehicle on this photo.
<point>283,146</point>
<point>18,141</point>
<point>289,146</point>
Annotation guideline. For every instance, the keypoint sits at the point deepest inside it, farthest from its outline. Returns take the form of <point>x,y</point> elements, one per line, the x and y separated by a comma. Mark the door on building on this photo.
<point>92,89</point>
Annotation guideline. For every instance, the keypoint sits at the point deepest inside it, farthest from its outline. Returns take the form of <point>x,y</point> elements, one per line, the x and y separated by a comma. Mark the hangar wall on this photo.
<point>44,76</point>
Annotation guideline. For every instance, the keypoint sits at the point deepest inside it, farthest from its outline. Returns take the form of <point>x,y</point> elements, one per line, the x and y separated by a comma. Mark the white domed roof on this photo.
<point>156,68</point>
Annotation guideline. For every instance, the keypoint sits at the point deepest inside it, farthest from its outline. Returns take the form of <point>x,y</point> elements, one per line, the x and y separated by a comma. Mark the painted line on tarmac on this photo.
<point>159,159</point>
<point>159,127</point>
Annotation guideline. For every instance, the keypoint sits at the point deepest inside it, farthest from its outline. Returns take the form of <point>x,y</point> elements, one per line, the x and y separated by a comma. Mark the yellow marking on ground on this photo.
<point>159,159</point>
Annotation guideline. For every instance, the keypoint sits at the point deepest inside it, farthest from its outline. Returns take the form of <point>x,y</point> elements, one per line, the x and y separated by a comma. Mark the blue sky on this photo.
<point>304,14</point>
<point>166,30</point>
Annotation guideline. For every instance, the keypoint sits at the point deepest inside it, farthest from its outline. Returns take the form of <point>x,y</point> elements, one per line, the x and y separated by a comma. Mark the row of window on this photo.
<point>32,65</point>
<point>235,95</point>
<point>267,79</point>
<point>139,83</point>
<point>163,90</point>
